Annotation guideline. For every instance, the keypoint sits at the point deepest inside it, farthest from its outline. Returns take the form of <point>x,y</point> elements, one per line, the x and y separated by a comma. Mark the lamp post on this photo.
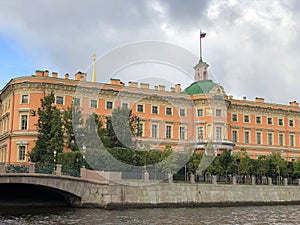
<point>54,159</point>
<point>83,155</point>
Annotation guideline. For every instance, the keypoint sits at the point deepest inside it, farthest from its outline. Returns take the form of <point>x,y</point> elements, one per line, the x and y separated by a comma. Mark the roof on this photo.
<point>200,87</point>
<point>201,63</point>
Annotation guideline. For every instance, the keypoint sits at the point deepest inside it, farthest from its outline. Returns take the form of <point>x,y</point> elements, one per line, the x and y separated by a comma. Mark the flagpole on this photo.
<point>200,45</point>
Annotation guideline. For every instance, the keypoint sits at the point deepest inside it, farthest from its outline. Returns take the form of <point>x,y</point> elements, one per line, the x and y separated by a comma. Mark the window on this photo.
<point>200,112</point>
<point>200,132</point>
<point>258,120</point>
<point>76,101</point>
<point>270,139</point>
<point>218,112</point>
<point>109,105</point>
<point>139,131</point>
<point>124,105</point>
<point>280,122</point>
<point>25,99</point>
<point>234,117</point>
<point>291,123</point>
<point>280,137</point>
<point>154,110</point>
<point>246,118</point>
<point>154,128</point>
<point>59,100</point>
<point>168,131</point>
<point>140,108</point>
<point>234,136</point>
<point>246,137</point>
<point>182,133</point>
<point>182,112</point>
<point>218,133</point>
<point>21,153</point>
<point>258,138</point>
<point>93,104</point>
<point>292,140</point>
<point>270,121</point>
<point>24,122</point>
<point>168,111</point>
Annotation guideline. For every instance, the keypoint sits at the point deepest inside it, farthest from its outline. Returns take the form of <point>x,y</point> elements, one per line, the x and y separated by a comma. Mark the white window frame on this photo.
<point>236,117</point>
<point>237,136</point>
<point>21,99</point>
<point>249,137</point>
<point>112,105</point>
<point>258,141</point>
<point>184,112</point>
<point>218,112</point>
<point>171,108</point>
<point>260,119</point>
<point>27,121</point>
<point>157,107</point>
<point>59,96</point>
<point>248,118</point>
<point>157,130</point>
<point>272,138</point>
<point>91,104</point>
<point>143,108</point>
<point>25,149</point>
<point>202,112</point>
<point>171,131</point>
<point>279,135</point>
<point>282,122</point>
<point>184,132</point>
<point>73,101</point>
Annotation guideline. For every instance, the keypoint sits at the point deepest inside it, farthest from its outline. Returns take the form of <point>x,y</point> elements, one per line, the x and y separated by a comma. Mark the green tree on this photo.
<point>50,132</point>
<point>277,166</point>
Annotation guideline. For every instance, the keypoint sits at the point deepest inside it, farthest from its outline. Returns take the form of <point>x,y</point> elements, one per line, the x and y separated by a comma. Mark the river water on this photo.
<point>215,215</point>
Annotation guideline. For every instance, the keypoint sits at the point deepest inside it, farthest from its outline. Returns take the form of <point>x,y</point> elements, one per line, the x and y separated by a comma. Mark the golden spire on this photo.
<point>94,68</point>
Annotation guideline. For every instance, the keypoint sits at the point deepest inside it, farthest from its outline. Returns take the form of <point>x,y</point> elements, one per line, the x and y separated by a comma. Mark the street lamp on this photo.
<point>83,155</point>
<point>54,158</point>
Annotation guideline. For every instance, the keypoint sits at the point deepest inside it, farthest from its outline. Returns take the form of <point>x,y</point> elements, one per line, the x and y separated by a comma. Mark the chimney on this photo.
<point>54,74</point>
<point>230,97</point>
<point>178,88</point>
<point>244,98</point>
<point>46,73</point>
<point>80,76</point>
<point>161,87</point>
<point>155,88</point>
<point>172,89</point>
<point>143,85</point>
<point>294,104</point>
<point>133,84</point>
<point>257,99</point>
<point>39,73</point>
<point>67,76</point>
<point>116,82</point>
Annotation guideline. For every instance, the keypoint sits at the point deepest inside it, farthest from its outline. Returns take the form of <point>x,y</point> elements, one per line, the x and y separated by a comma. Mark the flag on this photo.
<point>202,35</point>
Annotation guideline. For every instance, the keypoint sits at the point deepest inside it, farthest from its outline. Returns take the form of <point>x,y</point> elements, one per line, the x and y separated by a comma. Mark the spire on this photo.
<point>201,67</point>
<point>94,68</point>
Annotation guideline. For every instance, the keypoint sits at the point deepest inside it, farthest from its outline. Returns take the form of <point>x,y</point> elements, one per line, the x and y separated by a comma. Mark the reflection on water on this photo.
<point>230,215</point>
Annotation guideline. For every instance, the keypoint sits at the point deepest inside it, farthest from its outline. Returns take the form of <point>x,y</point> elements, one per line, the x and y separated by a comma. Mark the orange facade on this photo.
<point>190,118</point>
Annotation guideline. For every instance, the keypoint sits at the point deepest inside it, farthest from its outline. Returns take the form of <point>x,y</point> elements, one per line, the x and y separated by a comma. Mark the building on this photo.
<point>200,114</point>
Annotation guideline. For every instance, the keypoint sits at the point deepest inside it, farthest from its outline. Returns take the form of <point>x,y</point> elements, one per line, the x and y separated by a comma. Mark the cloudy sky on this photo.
<point>252,47</point>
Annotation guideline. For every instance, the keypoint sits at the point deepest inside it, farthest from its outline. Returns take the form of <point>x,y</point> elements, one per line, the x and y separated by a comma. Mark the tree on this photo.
<point>121,128</point>
<point>50,132</point>
<point>72,118</point>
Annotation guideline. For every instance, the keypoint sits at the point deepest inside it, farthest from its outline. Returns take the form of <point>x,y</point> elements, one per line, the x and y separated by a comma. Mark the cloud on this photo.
<point>251,46</point>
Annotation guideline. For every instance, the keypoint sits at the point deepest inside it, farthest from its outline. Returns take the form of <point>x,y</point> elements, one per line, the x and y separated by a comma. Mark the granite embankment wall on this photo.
<point>185,194</point>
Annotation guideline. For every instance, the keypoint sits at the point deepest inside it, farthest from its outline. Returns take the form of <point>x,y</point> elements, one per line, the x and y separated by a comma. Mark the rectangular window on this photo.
<point>291,123</point>
<point>247,137</point>
<point>200,132</point>
<point>59,100</point>
<point>24,122</point>
<point>168,111</point>
<point>182,112</point>
<point>218,112</point>
<point>218,133</point>
<point>109,105</point>
<point>292,140</point>
<point>270,121</point>
<point>234,117</point>
<point>139,131</point>
<point>270,139</point>
<point>93,104</point>
<point>258,138</point>
<point>182,133</point>
<point>168,131</point>
<point>140,108</point>
<point>154,128</point>
<point>280,122</point>
<point>200,112</point>
<point>280,139</point>
<point>25,99</point>
<point>21,153</point>
<point>124,105</point>
<point>234,136</point>
<point>258,119</point>
<point>154,110</point>
<point>76,101</point>
<point>246,118</point>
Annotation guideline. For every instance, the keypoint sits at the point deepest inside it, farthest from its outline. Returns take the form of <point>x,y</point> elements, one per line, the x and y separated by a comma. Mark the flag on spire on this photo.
<point>202,35</point>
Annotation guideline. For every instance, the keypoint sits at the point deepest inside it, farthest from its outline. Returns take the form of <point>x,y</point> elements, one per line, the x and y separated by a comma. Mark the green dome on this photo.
<point>200,87</point>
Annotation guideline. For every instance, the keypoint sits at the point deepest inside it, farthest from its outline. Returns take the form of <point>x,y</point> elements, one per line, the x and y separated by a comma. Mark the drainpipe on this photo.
<point>11,121</point>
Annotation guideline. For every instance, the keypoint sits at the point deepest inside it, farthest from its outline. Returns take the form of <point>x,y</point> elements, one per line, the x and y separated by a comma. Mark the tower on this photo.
<point>201,71</point>
<point>94,69</point>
